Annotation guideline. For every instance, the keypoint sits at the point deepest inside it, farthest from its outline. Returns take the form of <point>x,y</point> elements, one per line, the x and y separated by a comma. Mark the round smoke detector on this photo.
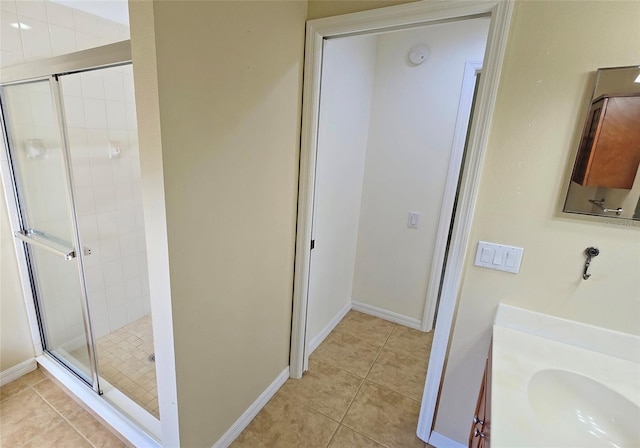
<point>418,54</point>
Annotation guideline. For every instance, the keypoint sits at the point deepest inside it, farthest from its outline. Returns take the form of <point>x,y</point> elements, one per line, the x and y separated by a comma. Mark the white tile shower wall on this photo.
<point>39,29</point>
<point>106,171</point>
<point>99,108</point>
<point>30,117</point>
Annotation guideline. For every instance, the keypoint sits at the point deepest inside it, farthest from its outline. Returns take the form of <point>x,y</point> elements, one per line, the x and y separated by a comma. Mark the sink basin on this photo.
<point>583,412</point>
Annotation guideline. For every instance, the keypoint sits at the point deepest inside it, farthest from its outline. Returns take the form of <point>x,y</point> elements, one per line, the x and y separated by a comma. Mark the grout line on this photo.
<point>365,377</point>
<point>393,390</point>
<point>45,401</point>
<point>44,377</point>
<point>404,353</point>
<point>362,381</point>
<point>314,410</point>
<point>62,416</point>
<point>374,362</point>
<point>400,353</point>
<point>306,405</point>
<point>333,436</point>
<point>339,421</point>
<point>389,335</point>
<point>352,400</point>
<point>83,409</point>
<point>379,351</point>
<point>367,436</point>
<point>397,352</point>
<point>27,386</point>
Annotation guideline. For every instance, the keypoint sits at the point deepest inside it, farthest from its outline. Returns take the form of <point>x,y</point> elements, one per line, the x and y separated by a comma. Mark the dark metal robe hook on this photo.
<point>590,252</point>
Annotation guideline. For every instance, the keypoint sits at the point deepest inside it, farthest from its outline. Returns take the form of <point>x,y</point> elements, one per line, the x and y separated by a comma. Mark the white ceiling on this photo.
<point>116,10</point>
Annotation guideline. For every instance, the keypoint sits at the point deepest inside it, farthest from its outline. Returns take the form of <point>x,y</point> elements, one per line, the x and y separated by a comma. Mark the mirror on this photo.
<point>606,177</point>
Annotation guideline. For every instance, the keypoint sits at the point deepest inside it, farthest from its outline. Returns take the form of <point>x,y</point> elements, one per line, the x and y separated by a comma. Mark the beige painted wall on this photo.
<point>413,119</point>
<point>231,166</point>
<point>552,51</point>
<point>325,8</point>
<point>15,337</point>
<point>229,80</point>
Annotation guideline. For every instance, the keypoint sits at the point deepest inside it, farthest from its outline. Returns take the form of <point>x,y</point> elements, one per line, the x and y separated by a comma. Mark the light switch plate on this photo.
<point>499,256</point>
<point>413,220</point>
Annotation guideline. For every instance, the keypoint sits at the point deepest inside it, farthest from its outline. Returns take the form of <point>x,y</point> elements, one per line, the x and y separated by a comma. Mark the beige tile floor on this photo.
<point>362,390</point>
<point>36,413</point>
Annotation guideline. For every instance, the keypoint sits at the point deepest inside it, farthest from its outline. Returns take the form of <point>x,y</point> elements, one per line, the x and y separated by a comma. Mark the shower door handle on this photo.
<point>45,242</point>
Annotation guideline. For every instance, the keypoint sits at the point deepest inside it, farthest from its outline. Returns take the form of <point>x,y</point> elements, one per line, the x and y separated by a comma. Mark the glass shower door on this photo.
<point>102,141</point>
<point>41,176</point>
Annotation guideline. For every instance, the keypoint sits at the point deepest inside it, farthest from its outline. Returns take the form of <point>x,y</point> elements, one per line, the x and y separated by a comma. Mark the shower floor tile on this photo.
<point>123,358</point>
<point>123,361</point>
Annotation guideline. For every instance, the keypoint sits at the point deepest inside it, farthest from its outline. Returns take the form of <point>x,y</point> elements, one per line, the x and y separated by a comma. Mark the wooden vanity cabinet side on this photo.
<point>588,142</point>
<point>475,441</point>
<point>480,435</point>
<point>609,152</point>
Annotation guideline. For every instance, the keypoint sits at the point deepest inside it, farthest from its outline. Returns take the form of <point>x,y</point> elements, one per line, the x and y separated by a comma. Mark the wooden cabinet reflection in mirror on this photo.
<point>606,172</point>
<point>609,153</point>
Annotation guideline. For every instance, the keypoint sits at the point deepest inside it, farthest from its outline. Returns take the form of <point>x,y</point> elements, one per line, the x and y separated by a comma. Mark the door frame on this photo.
<point>467,93</point>
<point>398,17</point>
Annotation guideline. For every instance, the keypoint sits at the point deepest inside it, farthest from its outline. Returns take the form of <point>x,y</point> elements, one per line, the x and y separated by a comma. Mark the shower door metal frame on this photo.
<point>38,71</point>
<point>58,111</point>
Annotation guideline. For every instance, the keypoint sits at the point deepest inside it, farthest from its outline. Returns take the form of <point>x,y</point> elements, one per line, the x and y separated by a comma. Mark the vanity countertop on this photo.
<point>559,383</point>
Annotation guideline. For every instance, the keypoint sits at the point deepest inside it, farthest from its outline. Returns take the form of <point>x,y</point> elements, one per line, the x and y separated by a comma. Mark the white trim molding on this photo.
<point>437,440</point>
<point>244,420</point>
<point>15,372</point>
<point>467,196</point>
<point>407,321</point>
<point>465,104</point>
<point>317,339</point>
<point>397,17</point>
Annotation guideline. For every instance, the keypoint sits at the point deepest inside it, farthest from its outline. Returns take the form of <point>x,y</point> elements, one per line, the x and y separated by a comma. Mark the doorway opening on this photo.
<point>353,215</point>
<point>390,146</point>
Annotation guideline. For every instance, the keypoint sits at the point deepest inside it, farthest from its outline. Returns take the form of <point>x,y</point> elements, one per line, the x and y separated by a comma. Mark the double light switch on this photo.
<point>499,256</point>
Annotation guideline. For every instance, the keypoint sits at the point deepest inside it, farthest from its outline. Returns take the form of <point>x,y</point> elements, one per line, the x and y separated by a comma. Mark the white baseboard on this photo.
<point>439,441</point>
<point>15,372</point>
<point>410,322</point>
<point>244,420</point>
<point>317,340</point>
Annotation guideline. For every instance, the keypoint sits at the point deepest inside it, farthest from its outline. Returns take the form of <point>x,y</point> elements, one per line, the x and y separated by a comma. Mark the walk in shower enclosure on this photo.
<point>71,174</point>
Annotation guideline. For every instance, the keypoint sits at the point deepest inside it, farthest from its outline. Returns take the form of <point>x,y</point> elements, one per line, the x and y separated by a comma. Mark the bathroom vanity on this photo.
<point>480,436</point>
<point>554,382</point>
